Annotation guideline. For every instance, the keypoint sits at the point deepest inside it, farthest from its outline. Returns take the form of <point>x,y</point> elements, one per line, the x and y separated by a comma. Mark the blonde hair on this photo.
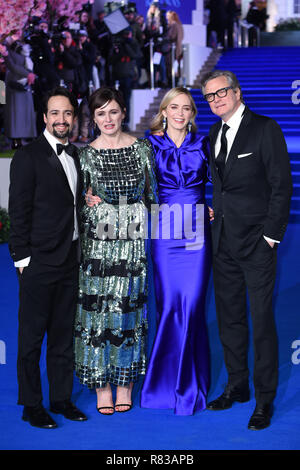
<point>156,14</point>
<point>156,125</point>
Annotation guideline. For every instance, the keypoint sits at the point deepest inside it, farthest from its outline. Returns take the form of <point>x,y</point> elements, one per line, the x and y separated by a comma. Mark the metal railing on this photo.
<point>175,66</point>
<point>151,46</point>
<point>240,38</point>
<point>241,32</point>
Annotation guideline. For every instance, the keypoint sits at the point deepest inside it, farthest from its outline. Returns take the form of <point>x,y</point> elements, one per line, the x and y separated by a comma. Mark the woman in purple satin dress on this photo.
<point>178,372</point>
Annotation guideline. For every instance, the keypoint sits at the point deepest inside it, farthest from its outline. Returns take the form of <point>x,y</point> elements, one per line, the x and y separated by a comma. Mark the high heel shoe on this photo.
<point>105,408</point>
<point>122,404</point>
<point>108,399</point>
<point>129,405</point>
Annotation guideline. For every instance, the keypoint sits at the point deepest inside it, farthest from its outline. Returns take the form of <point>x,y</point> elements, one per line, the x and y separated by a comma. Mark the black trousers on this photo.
<point>233,278</point>
<point>48,296</point>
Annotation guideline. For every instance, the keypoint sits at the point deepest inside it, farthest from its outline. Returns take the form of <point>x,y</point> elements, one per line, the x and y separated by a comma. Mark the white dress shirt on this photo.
<point>234,124</point>
<point>71,173</point>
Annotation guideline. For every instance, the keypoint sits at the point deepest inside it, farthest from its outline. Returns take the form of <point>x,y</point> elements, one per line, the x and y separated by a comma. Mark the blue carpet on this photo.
<point>155,429</point>
<point>143,429</point>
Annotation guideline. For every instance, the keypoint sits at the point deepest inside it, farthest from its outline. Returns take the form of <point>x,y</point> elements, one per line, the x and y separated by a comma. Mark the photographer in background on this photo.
<point>88,54</point>
<point>67,60</point>
<point>84,74</point>
<point>138,35</point>
<point>43,57</point>
<point>123,58</point>
<point>103,43</point>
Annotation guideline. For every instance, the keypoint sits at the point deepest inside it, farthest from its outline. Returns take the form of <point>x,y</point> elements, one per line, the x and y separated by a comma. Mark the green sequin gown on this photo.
<point>111,318</point>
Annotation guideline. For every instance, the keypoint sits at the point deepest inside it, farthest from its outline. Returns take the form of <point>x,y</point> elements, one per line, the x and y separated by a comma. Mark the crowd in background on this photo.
<point>85,55</point>
<point>223,16</point>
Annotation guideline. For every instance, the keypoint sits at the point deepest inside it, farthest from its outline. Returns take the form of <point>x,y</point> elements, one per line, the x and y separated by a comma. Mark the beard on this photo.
<point>64,134</point>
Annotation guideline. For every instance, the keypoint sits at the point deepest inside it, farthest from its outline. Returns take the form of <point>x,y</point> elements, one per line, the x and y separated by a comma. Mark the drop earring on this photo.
<point>189,126</point>
<point>164,123</point>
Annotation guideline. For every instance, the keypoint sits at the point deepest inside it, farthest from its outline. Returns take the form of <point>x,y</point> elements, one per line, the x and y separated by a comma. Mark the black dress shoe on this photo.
<point>228,397</point>
<point>261,417</point>
<point>38,417</point>
<point>68,410</point>
<point>16,146</point>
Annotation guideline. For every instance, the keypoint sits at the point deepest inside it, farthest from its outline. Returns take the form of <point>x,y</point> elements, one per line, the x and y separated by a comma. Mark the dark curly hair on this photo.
<point>60,91</point>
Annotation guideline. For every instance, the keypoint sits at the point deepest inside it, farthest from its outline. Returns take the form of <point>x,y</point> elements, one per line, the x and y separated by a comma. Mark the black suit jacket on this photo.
<point>41,204</point>
<point>254,197</point>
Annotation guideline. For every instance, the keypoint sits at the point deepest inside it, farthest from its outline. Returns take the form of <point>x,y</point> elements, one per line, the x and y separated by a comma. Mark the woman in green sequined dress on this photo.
<point>111,320</point>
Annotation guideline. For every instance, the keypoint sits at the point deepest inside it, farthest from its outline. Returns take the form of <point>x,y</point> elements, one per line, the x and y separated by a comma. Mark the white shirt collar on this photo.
<point>236,118</point>
<point>52,140</point>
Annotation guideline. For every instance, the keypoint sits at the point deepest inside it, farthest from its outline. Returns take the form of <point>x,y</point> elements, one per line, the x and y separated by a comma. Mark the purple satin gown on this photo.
<point>178,372</point>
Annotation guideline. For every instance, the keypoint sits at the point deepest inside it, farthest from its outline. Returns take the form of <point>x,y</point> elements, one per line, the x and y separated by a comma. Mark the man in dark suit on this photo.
<point>44,197</point>
<point>251,197</point>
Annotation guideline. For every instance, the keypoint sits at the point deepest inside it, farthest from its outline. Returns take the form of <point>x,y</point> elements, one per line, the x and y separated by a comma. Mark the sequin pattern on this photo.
<point>111,319</point>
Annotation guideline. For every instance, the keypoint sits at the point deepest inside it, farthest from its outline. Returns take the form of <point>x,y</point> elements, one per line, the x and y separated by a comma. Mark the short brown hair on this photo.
<point>230,76</point>
<point>104,95</point>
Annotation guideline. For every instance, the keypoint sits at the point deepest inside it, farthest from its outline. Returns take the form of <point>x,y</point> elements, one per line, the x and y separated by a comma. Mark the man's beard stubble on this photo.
<point>61,135</point>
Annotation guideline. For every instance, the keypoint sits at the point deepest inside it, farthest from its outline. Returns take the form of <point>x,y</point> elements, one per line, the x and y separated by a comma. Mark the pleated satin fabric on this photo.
<point>178,372</point>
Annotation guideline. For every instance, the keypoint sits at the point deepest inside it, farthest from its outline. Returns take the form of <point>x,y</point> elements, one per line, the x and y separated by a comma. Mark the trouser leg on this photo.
<point>60,336</point>
<point>260,274</point>
<point>35,305</point>
<point>231,308</point>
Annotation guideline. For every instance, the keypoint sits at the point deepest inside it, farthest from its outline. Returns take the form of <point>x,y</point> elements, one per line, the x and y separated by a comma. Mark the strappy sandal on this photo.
<point>123,404</point>
<point>105,408</point>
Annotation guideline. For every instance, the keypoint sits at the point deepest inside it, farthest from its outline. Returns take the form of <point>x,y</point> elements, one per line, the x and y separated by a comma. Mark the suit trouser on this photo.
<point>233,278</point>
<point>48,296</point>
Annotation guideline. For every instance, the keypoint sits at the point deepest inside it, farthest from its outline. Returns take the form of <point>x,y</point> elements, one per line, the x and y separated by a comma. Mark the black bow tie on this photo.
<point>70,149</point>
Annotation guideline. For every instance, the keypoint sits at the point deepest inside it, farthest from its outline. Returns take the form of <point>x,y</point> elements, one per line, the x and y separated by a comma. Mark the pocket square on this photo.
<point>242,155</point>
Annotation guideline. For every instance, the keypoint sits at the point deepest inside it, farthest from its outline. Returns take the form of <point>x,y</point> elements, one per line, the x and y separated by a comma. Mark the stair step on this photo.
<point>296,177</point>
<point>267,89</point>
<point>296,192</point>
<point>295,203</point>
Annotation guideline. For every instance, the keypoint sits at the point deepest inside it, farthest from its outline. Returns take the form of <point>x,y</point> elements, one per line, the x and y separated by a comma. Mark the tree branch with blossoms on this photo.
<point>16,13</point>
<point>57,9</point>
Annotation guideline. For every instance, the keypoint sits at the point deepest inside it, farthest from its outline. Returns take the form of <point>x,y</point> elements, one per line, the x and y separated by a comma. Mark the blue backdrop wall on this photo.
<point>183,8</point>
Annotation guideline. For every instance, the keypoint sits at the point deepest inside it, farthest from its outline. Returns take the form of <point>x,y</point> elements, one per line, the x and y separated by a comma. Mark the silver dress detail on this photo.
<point>111,319</point>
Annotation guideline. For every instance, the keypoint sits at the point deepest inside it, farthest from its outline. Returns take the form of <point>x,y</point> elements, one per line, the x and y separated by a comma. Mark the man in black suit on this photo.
<point>251,197</point>
<point>44,197</point>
